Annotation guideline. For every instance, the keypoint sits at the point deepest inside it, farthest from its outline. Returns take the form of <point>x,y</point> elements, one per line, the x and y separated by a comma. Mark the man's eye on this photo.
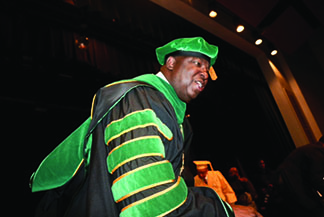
<point>197,63</point>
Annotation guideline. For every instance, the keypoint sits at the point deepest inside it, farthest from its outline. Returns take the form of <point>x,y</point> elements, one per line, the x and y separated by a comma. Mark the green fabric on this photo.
<point>143,146</point>
<point>228,209</point>
<point>63,162</point>
<point>142,178</point>
<point>87,150</point>
<point>134,120</point>
<point>171,200</point>
<point>168,91</point>
<point>195,44</point>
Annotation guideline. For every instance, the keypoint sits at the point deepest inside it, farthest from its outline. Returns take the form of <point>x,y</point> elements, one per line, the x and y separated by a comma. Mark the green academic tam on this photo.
<point>194,46</point>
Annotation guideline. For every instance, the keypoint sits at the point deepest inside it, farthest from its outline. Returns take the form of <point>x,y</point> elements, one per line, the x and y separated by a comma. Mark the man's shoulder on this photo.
<point>121,89</point>
<point>124,84</point>
<point>215,173</point>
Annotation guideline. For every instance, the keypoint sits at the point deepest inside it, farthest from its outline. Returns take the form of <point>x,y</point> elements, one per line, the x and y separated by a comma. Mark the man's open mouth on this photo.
<point>200,84</point>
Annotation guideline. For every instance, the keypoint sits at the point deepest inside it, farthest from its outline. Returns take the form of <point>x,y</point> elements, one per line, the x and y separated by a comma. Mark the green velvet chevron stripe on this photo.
<point>159,204</point>
<point>135,120</point>
<point>142,178</point>
<point>133,149</point>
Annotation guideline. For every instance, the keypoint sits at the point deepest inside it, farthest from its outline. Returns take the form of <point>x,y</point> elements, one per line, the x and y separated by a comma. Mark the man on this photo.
<point>127,158</point>
<point>242,187</point>
<point>214,180</point>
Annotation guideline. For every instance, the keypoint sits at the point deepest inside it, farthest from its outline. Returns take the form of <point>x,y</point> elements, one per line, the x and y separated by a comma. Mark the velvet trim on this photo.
<point>63,162</point>
<point>136,148</point>
<point>165,88</point>
<point>134,120</point>
<point>168,91</point>
<point>142,178</point>
<point>158,204</point>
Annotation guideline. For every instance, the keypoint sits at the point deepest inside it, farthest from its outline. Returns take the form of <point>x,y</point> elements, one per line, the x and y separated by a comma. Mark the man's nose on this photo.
<point>204,73</point>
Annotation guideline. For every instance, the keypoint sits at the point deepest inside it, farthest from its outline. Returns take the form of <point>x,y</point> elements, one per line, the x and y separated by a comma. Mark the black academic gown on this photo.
<point>91,191</point>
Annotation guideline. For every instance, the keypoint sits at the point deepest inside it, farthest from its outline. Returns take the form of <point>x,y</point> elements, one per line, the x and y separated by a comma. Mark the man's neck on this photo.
<point>161,75</point>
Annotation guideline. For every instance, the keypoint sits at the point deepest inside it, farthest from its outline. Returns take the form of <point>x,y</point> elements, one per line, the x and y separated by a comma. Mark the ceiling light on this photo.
<point>212,13</point>
<point>274,52</point>
<point>258,41</point>
<point>239,28</point>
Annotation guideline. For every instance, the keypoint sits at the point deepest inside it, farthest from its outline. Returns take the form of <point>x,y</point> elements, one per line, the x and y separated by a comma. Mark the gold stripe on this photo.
<point>139,168</point>
<point>93,100</point>
<point>152,196</point>
<point>135,157</point>
<point>166,213</point>
<point>128,115</point>
<point>109,85</point>
<point>134,140</point>
<point>144,188</point>
<point>137,127</point>
<point>119,82</point>
<point>78,167</point>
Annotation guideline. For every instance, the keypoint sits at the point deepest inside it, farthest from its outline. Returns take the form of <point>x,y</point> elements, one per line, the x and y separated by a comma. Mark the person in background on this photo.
<point>216,181</point>
<point>243,188</point>
<point>263,182</point>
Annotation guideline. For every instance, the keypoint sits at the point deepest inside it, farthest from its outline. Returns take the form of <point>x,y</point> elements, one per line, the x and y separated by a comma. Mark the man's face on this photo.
<point>262,164</point>
<point>189,77</point>
<point>202,173</point>
<point>233,172</point>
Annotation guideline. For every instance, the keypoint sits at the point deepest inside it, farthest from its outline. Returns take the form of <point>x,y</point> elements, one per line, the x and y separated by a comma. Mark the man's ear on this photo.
<point>170,62</point>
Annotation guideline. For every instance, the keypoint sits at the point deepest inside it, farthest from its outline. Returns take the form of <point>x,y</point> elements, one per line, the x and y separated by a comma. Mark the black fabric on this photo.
<point>136,100</point>
<point>300,177</point>
<point>72,199</point>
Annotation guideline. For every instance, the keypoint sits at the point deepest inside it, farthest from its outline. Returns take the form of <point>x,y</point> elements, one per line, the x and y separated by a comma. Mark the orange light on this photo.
<point>274,52</point>
<point>212,14</point>
<point>240,28</point>
<point>258,41</point>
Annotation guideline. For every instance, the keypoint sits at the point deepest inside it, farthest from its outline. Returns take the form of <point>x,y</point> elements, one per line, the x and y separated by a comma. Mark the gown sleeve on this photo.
<point>145,148</point>
<point>144,181</point>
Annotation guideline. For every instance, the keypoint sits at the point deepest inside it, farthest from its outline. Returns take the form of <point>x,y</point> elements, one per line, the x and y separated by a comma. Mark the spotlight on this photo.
<point>274,52</point>
<point>258,41</point>
<point>212,13</point>
<point>212,8</point>
<point>239,28</point>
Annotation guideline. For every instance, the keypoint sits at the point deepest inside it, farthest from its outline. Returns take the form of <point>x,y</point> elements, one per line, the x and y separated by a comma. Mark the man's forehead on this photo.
<point>202,60</point>
<point>192,58</point>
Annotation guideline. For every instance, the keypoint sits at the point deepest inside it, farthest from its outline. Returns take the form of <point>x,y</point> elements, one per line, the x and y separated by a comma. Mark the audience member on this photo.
<point>243,188</point>
<point>263,183</point>
<point>216,181</point>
